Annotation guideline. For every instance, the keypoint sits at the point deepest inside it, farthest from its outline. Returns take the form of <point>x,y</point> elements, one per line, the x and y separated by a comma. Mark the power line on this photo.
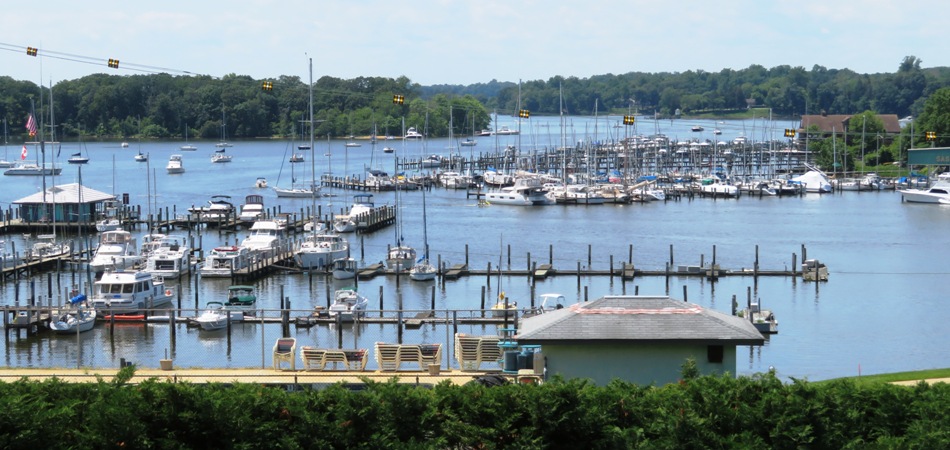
<point>34,52</point>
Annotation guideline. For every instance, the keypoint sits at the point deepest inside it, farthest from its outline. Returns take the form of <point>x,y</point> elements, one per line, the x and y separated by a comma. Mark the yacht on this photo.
<point>505,131</point>
<point>344,269</point>
<point>346,223</point>
<point>411,133</point>
<point>129,292</point>
<point>938,193</point>
<point>219,208</point>
<point>219,156</point>
<point>319,250</point>
<point>522,193</point>
<point>265,239</point>
<point>175,165</point>
<point>224,260</point>
<point>117,250</point>
<point>170,259</point>
<point>252,209</point>
<point>32,169</point>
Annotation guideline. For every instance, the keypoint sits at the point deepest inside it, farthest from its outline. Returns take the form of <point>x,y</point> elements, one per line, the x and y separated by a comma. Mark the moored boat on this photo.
<point>348,305</point>
<point>129,292</point>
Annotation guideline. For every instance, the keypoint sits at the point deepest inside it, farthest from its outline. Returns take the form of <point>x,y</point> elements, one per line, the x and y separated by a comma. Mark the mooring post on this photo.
<point>380,301</point>
<point>671,255</point>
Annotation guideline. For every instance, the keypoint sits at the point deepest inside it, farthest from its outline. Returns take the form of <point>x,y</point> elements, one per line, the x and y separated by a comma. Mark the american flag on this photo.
<point>31,125</point>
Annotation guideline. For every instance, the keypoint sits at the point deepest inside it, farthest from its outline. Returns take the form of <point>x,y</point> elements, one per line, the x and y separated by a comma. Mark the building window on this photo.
<point>714,353</point>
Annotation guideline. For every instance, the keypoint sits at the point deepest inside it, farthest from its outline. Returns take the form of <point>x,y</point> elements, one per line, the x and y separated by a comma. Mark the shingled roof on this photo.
<point>637,318</point>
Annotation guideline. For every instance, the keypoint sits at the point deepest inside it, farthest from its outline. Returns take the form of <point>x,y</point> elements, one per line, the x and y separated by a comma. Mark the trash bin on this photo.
<point>522,360</point>
<point>511,362</point>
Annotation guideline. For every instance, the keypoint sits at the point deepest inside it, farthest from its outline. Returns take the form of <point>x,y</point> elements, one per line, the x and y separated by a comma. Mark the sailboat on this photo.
<point>47,245</point>
<point>423,270</point>
<point>224,133</point>
<point>78,158</point>
<point>400,257</point>
<point>187,147</point>
<point>5,163</point>
<point>298,190</point>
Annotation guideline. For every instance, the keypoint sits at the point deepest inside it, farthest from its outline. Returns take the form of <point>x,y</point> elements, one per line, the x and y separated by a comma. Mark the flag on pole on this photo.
<point>23,153</point>
<point>31,125</point>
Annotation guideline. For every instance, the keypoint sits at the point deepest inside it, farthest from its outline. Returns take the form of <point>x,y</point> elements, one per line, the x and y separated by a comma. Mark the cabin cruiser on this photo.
<point>938,193</point>
<point>455,180</point>
<point>401,258</point>
<point>348,305</point>
<point>252,209</point>
<point>346,223</point>
<point>525,192</point>
<point>224,260</point>
<point>265,239</point>
<point>319,250</point>
<point>175,165</point>
<point>117,250</point>
<point>219,208</point>
<point>411,133</point>
<point>170,258</point>
<point>128,292</point>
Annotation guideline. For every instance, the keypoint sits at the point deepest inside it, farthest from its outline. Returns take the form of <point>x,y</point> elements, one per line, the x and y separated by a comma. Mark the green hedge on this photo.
<point>703,412</point>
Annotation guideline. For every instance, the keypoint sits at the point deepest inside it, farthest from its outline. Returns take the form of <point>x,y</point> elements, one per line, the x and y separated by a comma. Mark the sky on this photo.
<point>463,42</point>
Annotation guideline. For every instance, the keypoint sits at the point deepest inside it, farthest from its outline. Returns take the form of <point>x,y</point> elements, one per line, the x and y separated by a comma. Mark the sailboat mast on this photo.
<point>313,154</point>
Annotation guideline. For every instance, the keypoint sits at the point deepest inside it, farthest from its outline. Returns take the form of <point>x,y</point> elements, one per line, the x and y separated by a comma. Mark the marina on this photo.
<point>881,255</point>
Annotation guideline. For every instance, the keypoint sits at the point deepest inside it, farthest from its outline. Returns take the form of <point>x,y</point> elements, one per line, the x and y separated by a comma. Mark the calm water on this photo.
<point>883,309</point>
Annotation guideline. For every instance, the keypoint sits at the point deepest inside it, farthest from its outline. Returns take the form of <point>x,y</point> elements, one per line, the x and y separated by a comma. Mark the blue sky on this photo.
<point>454,42</point>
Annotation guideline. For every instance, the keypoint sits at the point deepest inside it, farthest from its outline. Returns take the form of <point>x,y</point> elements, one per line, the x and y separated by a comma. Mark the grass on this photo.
<point>900,376</point>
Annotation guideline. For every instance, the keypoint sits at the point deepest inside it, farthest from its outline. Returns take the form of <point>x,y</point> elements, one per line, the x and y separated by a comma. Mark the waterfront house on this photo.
<point>64,203</point>
<point>836,124</point>
<point>641,339</point>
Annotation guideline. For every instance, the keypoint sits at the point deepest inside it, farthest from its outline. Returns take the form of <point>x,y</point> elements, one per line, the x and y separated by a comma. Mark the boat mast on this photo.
<point>313,156</point>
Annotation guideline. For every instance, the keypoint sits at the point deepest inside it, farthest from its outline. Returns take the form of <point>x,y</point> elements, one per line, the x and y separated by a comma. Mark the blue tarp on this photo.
<point>78,299</point>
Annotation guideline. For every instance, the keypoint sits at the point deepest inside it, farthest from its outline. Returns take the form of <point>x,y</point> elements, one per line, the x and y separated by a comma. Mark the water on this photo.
<point>881,311</point>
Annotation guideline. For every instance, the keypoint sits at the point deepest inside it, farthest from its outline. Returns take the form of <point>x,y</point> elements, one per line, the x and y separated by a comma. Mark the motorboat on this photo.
<point>814,270</point>
<point>505,131</point>
<point>353,144</point>
<point>504,307</point>
<point>219,208</point>
<point>468,143</point>
<point>175,165</point>
<point>400,258</point>
<point>493,177</point>
<point>108,224</point>
<point>219,156</point>
<point>252,209</point>
<point>348,305</point>
<point>129,292</point>
<point>76,318</point>
<point>714,187</point>
<point>260,183</point>
<point>696,128</point>
<point>241,299</point>
<point>430,161</point>
<point>346,223</point>
<point>222,261</point>
<point>379,180</point>
<point>455,180</point>
<point>344,268</point>
<point>814,181</point>
<point>265,239</point>
<point>525,192</point>
<point>763,319</point>
<point>150,242</point>
<point>319,250</point>
<point>411,133</point>
<point>214,317</point>
<point>48,247</point>
<point>939,192</point>
<point>117,250</point>
<point>297,157</point>
<point>170,259</point>
<point>388,150</point>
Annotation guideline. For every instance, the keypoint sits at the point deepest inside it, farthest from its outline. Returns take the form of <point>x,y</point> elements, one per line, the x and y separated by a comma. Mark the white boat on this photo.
<point>297,157</point>
<point>431,161</point>
<point>129,292</point>
<point>505,131</point>
<point>298,190</point>
<point>938,193</point>
<point>214,317</point>
<point>348,305</point>
<point>170,259</point>
<point>713,187</point>
<point>344,269</point>
<point>175,165</point>
<point>524,192</point>
<point>346,223</point>
<point>468,143</point>
<point>814,181</point>
<point>124,145</point>
<point>423,270</point>
<point>353,144</point>
<point>455,180</point>
<point>319,250</point>
<point>141,157</point>
<point>108,224</point>
<point>814,270</point>
<point>493,177</point>
<point>411,133</point>
<point>252,209</point>
<point>401,258</point>
<point>696,128</point>
<point>388,150</point>
<point>222,261</point>
<point>219,208</point>
<point>260,183</point>
<point>77,158</point>
<point>219,156</point>
<point>33,169</point>
<point>76,318</point>
<point>379,180</point>
<point>117,250</point>
<point>265,239</point>
<point>224,133</point>
<point>187,147</point>
<point>48,247</point>
<point>762,319</point>
<point>580,194</point>
<point>503,306</point>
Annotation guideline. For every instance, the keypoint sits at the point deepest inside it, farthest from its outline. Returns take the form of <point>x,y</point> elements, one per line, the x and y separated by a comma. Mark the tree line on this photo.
<point>164,106</point>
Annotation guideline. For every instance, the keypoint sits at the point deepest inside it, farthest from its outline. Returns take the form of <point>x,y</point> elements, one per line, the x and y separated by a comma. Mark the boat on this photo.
<point>344,269</point>
<point>224,133</point>
<point>399,257</point>
<point>187,147</point>
<point>298,190</point>
<point>763,319</point>
<point>266,238</point>
<point>717,131</point>
<point>124,145</point>
<point>252,209</point>
<point>214,317</point>
<point>48,247</point>
<point>503,307</point>
<point>129,292</point>
<point>241,299</point>
<point>468,143</point>
<point>388,150</point>
<point>938,193</point>
<point>175,165</point>
<point>814,181</point>
<point>353,144</point>
<point>346,223</point>
<point>411,133</point>
<point>76,318</point>
<point>222,261</point>
<point>219,208</point>
<point>219,156</point>
<point>505,131</point>
<point>150,242</point>
<point>141,157</point>
<point>117,250</point>
<point>525,192</point>
<point>33,169</point>
<point>108,224</point>
<point>714,187</point>
<point>423,270</point>
<point>77,158</point>
<point>814,270</point>
<point>170,259</point>
<point>430,161</point>
<point>5,163</point>
<point>697,128</point>
<point>260,183</point>
<point>296,158</point>
<point>348,305</point>
<point>319,250</point>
